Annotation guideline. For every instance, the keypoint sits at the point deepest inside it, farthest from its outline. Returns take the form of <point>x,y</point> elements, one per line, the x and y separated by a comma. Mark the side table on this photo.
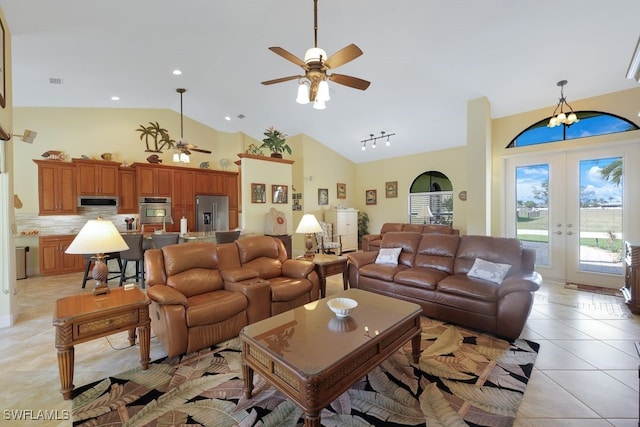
<point>84,317</point>
<point>328,265</point>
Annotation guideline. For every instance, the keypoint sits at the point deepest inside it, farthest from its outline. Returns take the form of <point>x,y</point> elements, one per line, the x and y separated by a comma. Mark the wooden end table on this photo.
<point>328,265</point>
<point>84,317</point>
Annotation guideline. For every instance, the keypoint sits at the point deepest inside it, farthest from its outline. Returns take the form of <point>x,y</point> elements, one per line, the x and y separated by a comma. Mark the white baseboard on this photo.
<point>6,321</point>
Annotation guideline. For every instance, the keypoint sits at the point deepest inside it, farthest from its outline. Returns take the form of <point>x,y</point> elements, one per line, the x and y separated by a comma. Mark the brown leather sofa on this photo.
<point>371,242</point>
<point>432,272</point>
<point>203,293</point>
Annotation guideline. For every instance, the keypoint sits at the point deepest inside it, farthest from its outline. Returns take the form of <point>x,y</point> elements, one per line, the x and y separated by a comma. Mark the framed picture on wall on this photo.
<point>323,196</point>
<point>258,193</point>
<point>279,194</point>
<point>342,191</point>
<point>391,189</point>
<point>371,197</point>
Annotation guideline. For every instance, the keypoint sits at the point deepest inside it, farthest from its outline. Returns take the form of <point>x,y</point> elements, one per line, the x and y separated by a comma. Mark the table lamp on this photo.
<point>98,236</point>
<point>309,225</point>
<point>425,213</point>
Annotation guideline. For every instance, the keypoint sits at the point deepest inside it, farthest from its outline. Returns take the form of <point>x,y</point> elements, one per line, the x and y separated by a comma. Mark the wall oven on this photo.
<point>155,210</point>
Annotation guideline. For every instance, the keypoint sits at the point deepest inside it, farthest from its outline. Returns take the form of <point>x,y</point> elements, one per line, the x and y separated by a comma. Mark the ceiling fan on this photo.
<point>182,147</point>
<point>316,64</point>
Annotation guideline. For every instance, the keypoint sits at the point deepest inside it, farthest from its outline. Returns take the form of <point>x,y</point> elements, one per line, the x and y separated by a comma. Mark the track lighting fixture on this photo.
<point>374,139</point>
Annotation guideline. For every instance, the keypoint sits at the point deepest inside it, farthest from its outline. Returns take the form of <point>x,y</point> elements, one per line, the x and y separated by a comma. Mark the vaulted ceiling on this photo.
<point>425,60</point>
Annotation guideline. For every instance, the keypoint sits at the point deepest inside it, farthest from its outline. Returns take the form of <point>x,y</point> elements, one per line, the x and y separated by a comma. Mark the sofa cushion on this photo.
<point>437,229</point>
<point>416,228</point>
<point>437,251</point>
<point>469,287</point>
<point>495,249</point>
<point>214,307</point>
<point>426,278</point>
<point>381,271</point>
<point>287,288</point>
<point>266,267</point>
<point>391,226</point>
<point>487,270</point>
<point>388,256</point>
<point>196,281</point>
<point>405,240</point>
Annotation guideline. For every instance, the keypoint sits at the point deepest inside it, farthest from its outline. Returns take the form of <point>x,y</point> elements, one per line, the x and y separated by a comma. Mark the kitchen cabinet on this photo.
<point>53,260</point>
<point>56,187</point>
<point>183,198</point>
<point>153,180</point>
<point>127,195</point>
<point>345,224</point>
<point>209,182</point>
<point>96,177</point>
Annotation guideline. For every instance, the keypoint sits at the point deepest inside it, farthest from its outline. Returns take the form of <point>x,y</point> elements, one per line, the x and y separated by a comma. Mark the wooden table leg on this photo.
<point>323,286</point>
<point>247,375</point>
<point>65,367</point>
<point>345,279</point>
<point>145,343</point>
<point>312,420</point>
<point>415,348</point>
<point>132,337</point>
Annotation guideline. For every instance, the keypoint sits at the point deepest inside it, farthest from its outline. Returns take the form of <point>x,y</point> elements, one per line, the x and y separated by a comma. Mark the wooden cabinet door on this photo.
<point>127,193</point>
<point>163,177</point>
<point>49,263</point>
<point>56,188</point>
<point>145,181</point>
<point>53,259</point>
<point>96,177</point>
<point>153,181</point>
<point>108,180</point>
<point>183,191</point>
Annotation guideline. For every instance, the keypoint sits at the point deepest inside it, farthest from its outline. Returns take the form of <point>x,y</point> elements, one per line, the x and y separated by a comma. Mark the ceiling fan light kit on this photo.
<point>313,86</point>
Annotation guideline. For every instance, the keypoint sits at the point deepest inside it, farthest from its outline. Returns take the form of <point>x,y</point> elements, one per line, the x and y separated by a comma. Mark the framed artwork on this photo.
<point>323,196</point>
<point>258,193</point>
<point>3,101</point>
<point>342,191</point>
<point>371,197</point>
<point>279,194</point>
<point>391,189</point>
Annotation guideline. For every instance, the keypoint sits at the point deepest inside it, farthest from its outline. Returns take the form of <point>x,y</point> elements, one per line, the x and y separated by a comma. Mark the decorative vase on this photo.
<point>276,155</point>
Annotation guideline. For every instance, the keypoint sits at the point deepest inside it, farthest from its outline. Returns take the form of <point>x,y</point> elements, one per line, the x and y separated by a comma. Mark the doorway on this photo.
<point>570,207</point>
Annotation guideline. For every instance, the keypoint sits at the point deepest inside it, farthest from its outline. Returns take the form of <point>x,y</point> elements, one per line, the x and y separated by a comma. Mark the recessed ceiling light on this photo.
<point>227,118</point>
<point>177,72</point>
<point>115,98</point>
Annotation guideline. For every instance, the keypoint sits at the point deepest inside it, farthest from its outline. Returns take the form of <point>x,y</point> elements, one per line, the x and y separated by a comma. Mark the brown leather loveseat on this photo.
<point>203,293</point>
<point>437,272</point>
<point>371,242</point>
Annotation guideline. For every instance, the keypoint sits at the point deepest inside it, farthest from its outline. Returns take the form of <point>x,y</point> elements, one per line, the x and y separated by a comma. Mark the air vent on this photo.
<point>241,116</point>
<point>55,80</point>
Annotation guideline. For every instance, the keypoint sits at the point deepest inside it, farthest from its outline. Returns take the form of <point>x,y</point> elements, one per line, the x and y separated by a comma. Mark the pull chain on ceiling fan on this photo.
<point>183,149</point>
<point>316,65</point>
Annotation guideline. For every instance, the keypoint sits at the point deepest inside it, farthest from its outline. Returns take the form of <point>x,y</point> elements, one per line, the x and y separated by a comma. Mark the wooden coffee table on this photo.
<point>327,265</point>
<point>84,317</point>
<point>312,356</point>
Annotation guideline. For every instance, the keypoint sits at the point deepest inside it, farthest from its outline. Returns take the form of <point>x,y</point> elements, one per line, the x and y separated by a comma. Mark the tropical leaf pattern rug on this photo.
<point>463,378</point>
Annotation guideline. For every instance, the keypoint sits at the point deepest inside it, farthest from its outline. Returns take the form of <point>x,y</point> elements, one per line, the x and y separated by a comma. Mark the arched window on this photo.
<point>591,123</point>
<point>431,199</point>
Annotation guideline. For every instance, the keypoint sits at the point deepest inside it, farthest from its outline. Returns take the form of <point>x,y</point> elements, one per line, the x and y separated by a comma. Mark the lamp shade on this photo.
<point>425,212</point>
<point>309,224</point>
<point>303,94</point>
<point>98,236</point>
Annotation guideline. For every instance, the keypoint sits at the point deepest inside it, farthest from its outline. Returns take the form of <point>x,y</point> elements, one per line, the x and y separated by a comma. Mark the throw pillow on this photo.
<point>388,256</point>
<point>487,270</point>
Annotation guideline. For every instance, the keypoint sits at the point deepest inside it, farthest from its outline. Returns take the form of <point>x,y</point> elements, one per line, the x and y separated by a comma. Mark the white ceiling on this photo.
<point>425,59</point>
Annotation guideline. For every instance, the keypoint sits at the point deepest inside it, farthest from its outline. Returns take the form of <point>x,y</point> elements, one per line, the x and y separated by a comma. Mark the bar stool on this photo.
<point>227,236</point>
<point>165,239</point>
<point>111,256</point>
<point>134,253</point>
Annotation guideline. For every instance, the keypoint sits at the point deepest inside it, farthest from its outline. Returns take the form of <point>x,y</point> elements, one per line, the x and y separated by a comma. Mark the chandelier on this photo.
<point>562,118</point>
<point>374,139</point>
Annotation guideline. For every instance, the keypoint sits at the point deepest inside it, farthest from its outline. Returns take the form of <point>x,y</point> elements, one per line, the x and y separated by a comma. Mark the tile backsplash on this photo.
<point>70,224</point>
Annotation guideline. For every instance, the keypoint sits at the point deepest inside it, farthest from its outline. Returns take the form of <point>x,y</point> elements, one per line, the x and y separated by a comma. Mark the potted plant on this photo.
<point>275,141</point>
<point>363,225</point>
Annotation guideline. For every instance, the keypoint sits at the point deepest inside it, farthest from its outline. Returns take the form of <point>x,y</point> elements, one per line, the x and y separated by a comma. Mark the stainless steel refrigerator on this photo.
<point>212,213</point>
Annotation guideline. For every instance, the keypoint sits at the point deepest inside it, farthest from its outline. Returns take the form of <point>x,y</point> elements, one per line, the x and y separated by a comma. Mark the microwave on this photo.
<point>155,210</point>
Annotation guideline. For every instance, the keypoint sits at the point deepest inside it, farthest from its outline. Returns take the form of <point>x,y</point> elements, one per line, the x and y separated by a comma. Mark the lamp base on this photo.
<point>309,245</point>
<point>100,274</point>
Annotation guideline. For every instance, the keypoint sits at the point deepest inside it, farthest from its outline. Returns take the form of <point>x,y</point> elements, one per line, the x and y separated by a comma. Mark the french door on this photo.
<point>570,207</point>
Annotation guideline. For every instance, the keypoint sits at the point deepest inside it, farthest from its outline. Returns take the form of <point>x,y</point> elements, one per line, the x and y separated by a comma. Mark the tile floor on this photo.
<point>586,373</point>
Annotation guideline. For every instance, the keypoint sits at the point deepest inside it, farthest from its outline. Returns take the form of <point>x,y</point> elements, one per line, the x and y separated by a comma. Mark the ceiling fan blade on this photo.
<point>288,56</point>
<point>343,56</point>
<point>200,150</point>
<point>281,79</point>
<point>350,81</point>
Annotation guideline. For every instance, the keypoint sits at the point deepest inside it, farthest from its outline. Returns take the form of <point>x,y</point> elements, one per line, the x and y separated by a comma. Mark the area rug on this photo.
<point>463,378</point>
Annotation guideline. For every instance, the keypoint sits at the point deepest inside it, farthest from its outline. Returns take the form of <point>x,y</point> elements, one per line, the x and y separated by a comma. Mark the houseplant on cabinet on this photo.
<point>275,141</point>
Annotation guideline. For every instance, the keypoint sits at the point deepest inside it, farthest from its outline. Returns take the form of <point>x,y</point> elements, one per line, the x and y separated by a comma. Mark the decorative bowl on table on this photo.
<point>342,307</point>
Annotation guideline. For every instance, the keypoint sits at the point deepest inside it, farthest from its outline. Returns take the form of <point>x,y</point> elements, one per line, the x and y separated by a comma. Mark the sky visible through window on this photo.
<point>591,123</point>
